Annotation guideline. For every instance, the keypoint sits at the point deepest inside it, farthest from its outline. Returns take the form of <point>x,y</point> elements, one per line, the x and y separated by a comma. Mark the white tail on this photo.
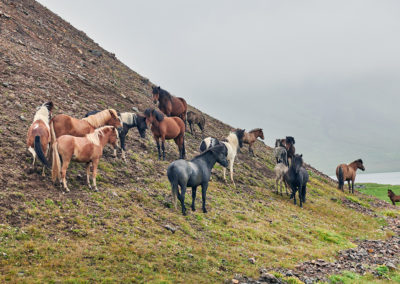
<point>56,167</point>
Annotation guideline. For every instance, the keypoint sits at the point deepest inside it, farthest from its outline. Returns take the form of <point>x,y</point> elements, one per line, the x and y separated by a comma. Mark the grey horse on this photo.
<point>194,173</point>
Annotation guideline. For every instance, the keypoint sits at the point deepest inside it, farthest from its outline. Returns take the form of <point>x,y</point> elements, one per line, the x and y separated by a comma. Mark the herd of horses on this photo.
<point>83,140</point>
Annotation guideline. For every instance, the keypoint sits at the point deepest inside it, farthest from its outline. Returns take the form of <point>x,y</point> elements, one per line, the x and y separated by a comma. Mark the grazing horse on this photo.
<point>233,142</point>
<point>297,178</point>
<point>88,149</point>
<point>63,124</point>
<point>280,171</point>
<point>166,128</point>
<point>129,120</point>
<point>194,173</point>
<point>280,152</point>
<point>196,118</point>
<point>348,173</point>
<point>38,137</point>
<point>251,137</point>
<point>169,104</point>
<point>394,198</point>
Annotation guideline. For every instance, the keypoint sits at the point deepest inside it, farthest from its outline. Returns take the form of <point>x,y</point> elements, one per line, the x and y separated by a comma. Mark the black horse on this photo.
<point>297,178</point>
<point>128,120</point>
<point>194,173</point>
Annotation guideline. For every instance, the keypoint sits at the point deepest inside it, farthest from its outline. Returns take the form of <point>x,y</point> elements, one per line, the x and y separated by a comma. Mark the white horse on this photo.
<point>233,142</point>
<point>280,170</point>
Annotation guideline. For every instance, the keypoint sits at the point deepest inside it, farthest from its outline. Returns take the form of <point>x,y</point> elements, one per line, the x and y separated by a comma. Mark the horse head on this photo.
<point>297,162</point>
<point>240,134</point>
<point>49,106</point>
<point>156,93</point>
<point>390,193</point>
<point>114,119</point>
<point>290,140</point>
<point>113,138</point>
<point>220,152</point>
<point>360,165</point>
<point>261,134</point>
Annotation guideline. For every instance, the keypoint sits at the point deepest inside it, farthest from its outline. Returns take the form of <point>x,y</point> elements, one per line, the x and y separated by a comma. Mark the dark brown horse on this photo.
<point>251,137</point>
<point>169,104</point>
<point>288,143</point>
<point>196,118</point>
<point>166,128</point>
<point>63,124</point>
<point>348,173</point>
<point>394,198</point>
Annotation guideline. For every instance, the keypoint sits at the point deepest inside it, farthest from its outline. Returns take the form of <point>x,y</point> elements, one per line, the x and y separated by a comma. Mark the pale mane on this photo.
<point>42,114</point>
<point>128,118</point>
<point>95,136</point>
<point>100,118</point>
<point>232,139</point>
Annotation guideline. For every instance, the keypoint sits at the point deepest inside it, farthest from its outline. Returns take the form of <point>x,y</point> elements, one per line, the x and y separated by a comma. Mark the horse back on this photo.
<point>80,147</point>
<point>348,172</point>
<point>174,126</point>
<point>38,128</point>
<point>179,106</point>
<point>67,125</point>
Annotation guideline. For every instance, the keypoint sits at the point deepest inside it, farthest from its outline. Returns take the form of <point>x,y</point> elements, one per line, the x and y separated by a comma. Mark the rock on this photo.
<point>97,53</point>
<point>5,84</point>
<point>170,228</point>
<point>269,278</point>
<point>252,260</point>
<point>235,281</point>
<point>4,15</point>
<point>135,109</point>
<point>391,266</point>
<point>22,118</point>
<point>122,95</point>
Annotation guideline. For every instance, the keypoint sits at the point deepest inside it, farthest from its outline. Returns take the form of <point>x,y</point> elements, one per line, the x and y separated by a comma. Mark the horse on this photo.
<point>38,136</point>
<point>194,173</point>
<point>348,173</point>
<point>297,178</point>
<point>129,120</point>
<point>62,124</point>
<point>88,149</point>
<point>289,145</point>
<point>169,104</point>
<point>280,153</point>
<point>196,118</point>
<point>233,142</point>
<point>280,171</point>
<point>166,128</point>
<point>394,198</point>
<point>251,137</point>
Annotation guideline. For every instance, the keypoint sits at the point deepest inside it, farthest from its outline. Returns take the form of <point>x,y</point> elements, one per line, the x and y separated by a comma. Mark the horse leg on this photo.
<point>64,173</point>
<point>231,172</point>
<point>191,129</point>
<point>348,182</point>
<point>194,188</point>
<point>182,198</point>
<point>204,187</point>
<point>158,148</point>
<point>95,163</point>
<point>163,148</point>
<point>352,186</point>
<point>122,140</point>
<point>294,195</point>
<point>88,175</point>
<point>276,185</point>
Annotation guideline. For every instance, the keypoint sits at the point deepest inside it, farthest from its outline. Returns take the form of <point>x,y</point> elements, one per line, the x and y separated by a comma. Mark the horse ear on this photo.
<point>111,112</point>
<point>301,155</point>
<point>50,106</point>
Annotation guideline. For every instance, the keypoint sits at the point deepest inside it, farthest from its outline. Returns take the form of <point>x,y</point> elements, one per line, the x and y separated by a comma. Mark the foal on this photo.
<point>88,149</point>
<point>233,142</point>
<point>348,173</point>
<point>394,198</point>
<point>38,137</point>
<point>194,173</point>
<point>196,118</point>
<point>166,128</point>
<point>251,137</point>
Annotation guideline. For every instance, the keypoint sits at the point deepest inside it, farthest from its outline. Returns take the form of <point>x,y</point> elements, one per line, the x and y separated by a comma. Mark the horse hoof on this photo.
<point>67,189</point>
<point>96,189</point>
<point>205,211</point>
<point>193,209</point>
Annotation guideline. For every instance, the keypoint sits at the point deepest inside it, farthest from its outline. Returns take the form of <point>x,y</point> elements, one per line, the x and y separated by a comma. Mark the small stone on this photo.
<point>5,84</point>
<point>22,118</point>
<point>235,281</point>
<point>122,95</point>
<point>170,228</point>
<point>135,109</point>
<point>269,278</point>
<point>252,260</point>
<point>391,266</point>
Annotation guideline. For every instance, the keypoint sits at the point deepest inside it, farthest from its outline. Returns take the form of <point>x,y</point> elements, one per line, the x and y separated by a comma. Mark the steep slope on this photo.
<point>127,231</point>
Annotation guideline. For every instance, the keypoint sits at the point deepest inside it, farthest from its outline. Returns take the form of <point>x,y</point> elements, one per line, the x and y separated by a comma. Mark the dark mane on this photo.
<point>290,140</point>
<point>207,151</point>
<point>161,92</point>
<point>255,130</point>
<point>359,161</point>
<point>150,111</point>
<point>239,133</point>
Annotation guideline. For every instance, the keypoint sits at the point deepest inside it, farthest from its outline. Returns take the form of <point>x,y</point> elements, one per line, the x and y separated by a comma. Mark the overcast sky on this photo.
<point>325,72</point>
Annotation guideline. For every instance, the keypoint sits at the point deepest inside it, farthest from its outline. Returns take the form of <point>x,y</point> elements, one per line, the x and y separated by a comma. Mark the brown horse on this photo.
<point>63,124</point>
<point>288,143</point>
<point>196,118</point>
<point>166,128</point>
<point>38,137</point>
<point>251,137</point>
<point>348,173</point>
<point>394,198</point>
<point>169,104</point>
<point>88,149</point>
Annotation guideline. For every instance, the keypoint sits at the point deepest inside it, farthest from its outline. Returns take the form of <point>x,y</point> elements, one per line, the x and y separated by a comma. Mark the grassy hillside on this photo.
<point>128,232</point>
<point>380,190</point>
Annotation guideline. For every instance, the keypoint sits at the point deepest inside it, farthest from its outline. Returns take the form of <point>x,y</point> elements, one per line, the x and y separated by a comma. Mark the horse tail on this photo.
<point>340,178</point>
<point>173,179</point>
<point>56,168</point>
<point>39,151</point>
<point>52,133</point>
<point>183,147</point>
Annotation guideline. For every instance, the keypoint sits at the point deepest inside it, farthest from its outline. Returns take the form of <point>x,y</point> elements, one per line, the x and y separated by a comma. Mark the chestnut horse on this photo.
<point>394,198</point>
<point>251,137</point>
<point>38,137</point>
<point>88,149</point>
<point>169,104</point>
<point>348,173</point>
<point>166,128</point>
<point>63,124</point>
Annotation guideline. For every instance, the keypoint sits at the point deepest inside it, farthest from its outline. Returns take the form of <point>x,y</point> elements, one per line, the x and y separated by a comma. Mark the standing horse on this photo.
<point>394,198</point>
<point>38,137</point>
<point>297,178</point>
<point>194,173</point>
<point>169,104</point>
<point>348,173</point>
<point>129,120</point>
<point>88,149</point>
<point>196,118</point>
<point>280,152</point>
<point>166,128</point>
<point>251,137</point>
<point>233,142</point>
<point>289,145</point>
<point>280,171</point>
<point>63,124</point>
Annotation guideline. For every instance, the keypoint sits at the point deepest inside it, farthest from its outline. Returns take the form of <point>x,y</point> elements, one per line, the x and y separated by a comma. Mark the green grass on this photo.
<point>380,190</point>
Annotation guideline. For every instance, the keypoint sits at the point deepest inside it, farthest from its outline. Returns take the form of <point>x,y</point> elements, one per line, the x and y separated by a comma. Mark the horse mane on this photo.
<point>100,118</point>
<point>94,137</point>
<point>206,151</point>
<point>255,130</point>
<point>162,92</point>
<point>128,117</point>
<point>290,139</point>
<point>359,161</point>
<point>150,111</point>
<point>233,139</point>
<point>43,113</point>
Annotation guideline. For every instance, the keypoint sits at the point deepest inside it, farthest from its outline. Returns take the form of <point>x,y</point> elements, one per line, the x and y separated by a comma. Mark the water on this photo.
<point>382,178</point>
